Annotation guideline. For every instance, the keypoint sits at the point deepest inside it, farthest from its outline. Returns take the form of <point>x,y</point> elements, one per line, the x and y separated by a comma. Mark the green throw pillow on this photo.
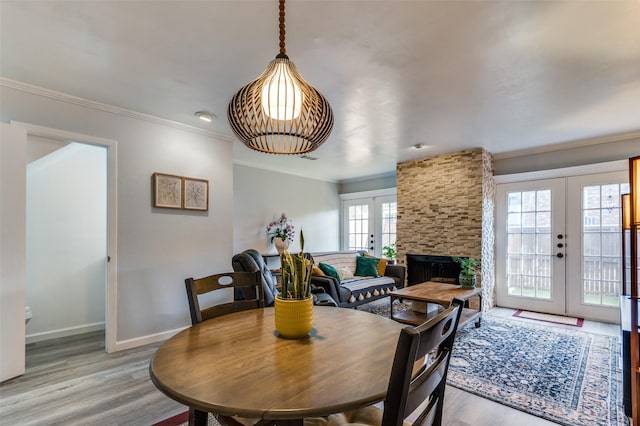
<point>329,271</point>
<point>366,266</point>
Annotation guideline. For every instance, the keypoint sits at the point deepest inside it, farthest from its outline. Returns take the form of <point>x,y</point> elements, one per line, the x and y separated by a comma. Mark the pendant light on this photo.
<point>279,113</point>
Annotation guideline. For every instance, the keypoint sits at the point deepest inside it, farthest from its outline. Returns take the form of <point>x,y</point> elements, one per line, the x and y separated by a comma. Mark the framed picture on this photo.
<point>167,191</point>
<point>195,194</point>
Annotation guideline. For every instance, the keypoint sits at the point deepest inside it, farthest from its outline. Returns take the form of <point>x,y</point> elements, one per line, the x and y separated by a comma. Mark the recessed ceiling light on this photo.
<point>419,146</point>
<point>205,116</point>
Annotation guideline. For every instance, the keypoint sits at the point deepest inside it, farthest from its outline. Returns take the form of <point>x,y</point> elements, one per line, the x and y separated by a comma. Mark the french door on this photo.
<point>369,223</point>
<point>558,245</point>
<point>594,273</point>
<point>531,245</point>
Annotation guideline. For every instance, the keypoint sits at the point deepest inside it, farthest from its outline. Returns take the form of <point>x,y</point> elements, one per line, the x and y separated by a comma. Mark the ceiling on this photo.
<point>503,75</point>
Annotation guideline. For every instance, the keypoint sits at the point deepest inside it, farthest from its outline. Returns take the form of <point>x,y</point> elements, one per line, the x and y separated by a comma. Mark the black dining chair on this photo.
<point>201,286</point>
<point>415,394</point>
<point>235,280</point>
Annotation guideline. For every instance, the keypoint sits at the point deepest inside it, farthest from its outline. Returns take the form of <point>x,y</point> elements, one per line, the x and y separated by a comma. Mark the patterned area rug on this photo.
<point>565,376</point>
<point>381,306</point>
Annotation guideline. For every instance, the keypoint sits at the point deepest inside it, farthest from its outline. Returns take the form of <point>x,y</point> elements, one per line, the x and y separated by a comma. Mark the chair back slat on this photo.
<point>229,308</point>
<point>408,390</point>
<point>249,284</point>
<point>428,415</point>
<point>426,384</point>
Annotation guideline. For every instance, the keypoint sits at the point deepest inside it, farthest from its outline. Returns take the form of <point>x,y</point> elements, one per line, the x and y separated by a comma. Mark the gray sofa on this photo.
<point>354,291</point>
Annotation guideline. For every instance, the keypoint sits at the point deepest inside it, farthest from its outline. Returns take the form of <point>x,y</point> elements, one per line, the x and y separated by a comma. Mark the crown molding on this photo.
<point>63,97</point>
<point>568,145</point>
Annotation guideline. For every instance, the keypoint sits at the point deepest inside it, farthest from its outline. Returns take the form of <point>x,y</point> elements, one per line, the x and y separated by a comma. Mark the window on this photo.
<point>369,223</point>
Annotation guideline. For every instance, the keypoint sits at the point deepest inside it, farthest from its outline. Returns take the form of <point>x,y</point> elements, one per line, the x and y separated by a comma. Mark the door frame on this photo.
<point>112,215</point>
<point>567,172</point>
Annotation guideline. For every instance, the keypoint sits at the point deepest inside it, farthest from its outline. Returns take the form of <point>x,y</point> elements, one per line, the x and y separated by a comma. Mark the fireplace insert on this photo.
<point>426,267</point>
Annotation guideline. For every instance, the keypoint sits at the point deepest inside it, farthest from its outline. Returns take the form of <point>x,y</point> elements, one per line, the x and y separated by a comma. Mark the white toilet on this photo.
<point>27,314</point>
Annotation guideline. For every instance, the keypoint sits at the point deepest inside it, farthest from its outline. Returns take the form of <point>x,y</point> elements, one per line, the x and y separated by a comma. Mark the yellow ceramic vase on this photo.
<point>294,318</point>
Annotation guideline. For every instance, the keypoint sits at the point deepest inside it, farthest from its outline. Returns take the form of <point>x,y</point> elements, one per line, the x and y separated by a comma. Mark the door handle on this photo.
<point>559,255</point>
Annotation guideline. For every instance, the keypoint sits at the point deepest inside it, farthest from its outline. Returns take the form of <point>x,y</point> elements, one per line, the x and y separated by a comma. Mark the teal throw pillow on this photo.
<point>366,266</point>
<point>329,271</point>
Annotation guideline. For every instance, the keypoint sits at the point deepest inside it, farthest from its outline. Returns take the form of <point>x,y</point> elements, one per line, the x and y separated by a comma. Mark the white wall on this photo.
<point>260,196</point>
<point>370,183</point>
<point>66,240</point>
<point>12,246</point>
<point>560,157</point>
<point>157,248</point>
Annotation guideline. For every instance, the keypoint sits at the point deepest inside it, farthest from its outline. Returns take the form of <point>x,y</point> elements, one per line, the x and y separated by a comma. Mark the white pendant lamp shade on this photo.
<point>281,95</point>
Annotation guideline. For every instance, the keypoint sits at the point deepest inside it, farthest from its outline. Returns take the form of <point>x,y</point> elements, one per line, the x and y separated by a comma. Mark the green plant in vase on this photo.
<point>296,274</point>
<point>390,252</point>
<point>294,305</point>
<point>469,268</point>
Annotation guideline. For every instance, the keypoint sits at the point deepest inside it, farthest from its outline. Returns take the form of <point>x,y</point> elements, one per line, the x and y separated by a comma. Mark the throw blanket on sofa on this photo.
<point>367,287</point>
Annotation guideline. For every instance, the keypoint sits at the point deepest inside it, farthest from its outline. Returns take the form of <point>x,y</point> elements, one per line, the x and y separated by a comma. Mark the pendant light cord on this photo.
<point>283,51</point>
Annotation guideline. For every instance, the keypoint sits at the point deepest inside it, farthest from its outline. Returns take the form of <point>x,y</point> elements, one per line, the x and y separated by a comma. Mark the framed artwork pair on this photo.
<point>180,192</point>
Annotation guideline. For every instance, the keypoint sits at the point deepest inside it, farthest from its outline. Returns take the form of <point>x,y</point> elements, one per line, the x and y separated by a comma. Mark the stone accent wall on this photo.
<point>488,273</point>
<point>446,207</point>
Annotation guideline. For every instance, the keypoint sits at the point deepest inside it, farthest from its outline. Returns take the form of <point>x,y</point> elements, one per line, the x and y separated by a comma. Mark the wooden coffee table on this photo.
<point>441,294</point>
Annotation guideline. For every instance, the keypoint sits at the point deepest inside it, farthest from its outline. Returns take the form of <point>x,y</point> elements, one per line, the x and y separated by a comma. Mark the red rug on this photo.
<point>176,420</point>
<point>182,419</point>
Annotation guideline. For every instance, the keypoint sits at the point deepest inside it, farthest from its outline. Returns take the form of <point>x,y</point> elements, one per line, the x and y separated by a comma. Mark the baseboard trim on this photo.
<point>64,332</point>
<point>122,345</point>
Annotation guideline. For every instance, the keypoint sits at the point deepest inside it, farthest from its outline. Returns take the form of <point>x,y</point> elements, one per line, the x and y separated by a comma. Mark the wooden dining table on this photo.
<point>238,365</point>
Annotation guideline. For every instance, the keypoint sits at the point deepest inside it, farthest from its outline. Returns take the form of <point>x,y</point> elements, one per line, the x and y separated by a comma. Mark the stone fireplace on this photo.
<point>446,208</point>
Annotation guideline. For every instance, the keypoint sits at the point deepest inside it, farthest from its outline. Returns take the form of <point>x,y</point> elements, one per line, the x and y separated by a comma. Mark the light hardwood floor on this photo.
<point>72,381</point>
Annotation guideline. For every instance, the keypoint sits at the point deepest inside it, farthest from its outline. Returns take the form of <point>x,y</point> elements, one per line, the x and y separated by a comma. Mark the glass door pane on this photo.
<point>601,251</point>
<point>529,243</point>
<point>358,226</point>
<point>385,235</point>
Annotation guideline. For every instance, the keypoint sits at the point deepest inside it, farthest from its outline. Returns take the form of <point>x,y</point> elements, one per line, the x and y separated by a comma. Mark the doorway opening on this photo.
<point>70,234</point>
<point>66,238</point>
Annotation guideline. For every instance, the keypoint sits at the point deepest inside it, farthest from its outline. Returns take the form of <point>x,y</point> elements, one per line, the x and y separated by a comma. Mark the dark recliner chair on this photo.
<point>251,261</point>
